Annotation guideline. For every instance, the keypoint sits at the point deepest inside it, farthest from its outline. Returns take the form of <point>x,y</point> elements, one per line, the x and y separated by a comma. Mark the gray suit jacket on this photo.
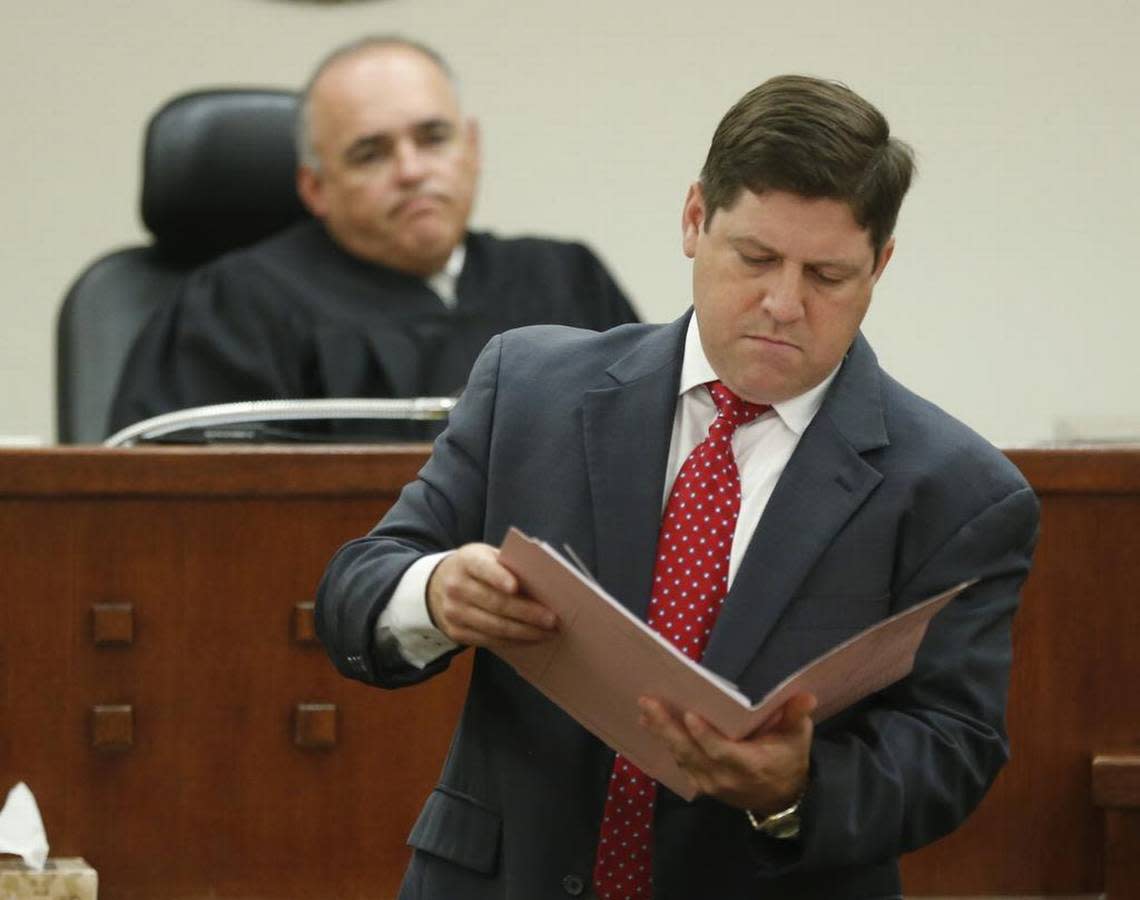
<point>886,500</point>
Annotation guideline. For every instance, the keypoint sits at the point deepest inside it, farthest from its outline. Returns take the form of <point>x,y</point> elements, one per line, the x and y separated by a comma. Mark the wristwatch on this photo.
<point>783,825</point>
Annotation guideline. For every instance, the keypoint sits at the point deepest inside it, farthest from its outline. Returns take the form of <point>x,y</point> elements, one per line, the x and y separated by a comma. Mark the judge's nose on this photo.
<point>409,162</point>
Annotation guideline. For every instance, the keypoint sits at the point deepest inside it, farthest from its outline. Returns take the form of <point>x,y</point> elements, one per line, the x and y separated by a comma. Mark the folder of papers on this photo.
<point>604,658</point>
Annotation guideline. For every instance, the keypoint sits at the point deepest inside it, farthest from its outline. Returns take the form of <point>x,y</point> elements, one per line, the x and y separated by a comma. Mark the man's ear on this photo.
<point>884,257</point>
<point>474,147</point>
<point>310,188</point>
<point>692,219</point>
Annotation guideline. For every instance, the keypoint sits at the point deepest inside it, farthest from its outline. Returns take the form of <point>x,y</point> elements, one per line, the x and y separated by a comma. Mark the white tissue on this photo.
<point>22,829</point>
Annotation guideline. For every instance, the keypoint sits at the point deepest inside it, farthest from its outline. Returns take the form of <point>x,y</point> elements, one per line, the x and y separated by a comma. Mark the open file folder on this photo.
<point>604,658</point>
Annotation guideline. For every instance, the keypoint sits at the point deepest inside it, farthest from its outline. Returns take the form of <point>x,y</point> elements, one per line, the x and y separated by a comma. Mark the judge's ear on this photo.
<point>310,188</point>
<point>472,138</point>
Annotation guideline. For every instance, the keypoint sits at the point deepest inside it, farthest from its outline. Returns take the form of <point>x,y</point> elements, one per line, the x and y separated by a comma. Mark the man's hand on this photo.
<point>765,772</point>
<point>475,600</point>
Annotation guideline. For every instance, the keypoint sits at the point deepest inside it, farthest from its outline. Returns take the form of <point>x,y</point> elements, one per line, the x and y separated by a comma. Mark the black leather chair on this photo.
<point>218,173</point>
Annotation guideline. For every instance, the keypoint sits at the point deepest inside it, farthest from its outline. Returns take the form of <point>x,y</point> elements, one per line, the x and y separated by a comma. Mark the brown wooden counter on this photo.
<point>160,690</point>
<point>1074,692</point>
<point>161,693</point>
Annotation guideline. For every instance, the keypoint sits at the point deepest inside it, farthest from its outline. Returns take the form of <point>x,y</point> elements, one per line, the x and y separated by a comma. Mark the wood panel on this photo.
<point>202,789</point>
<point>1116,781</point>
<point>196,568</point>
<point>1075,660</point>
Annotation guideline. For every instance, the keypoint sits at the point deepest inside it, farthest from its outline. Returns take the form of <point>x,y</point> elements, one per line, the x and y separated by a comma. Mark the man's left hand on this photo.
<point>764,772</point>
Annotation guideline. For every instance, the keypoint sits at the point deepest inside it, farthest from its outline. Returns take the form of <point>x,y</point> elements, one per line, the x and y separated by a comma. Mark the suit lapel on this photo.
<point>824,483</point>
<point>627,427</point>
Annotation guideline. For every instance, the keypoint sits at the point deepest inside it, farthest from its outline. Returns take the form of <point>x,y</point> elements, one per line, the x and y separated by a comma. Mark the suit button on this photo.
<point>572,885</point>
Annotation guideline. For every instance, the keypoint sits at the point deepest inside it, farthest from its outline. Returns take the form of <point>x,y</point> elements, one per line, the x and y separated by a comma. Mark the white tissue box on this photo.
<point>61,879</point>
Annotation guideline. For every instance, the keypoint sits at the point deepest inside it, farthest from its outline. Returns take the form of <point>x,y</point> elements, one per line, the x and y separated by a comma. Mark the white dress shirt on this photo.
<point>762,449</point>
<point>445,282</point>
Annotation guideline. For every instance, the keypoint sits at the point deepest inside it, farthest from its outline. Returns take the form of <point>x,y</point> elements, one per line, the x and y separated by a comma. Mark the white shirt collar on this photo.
<point>445,282</point>
<point>795,413</point>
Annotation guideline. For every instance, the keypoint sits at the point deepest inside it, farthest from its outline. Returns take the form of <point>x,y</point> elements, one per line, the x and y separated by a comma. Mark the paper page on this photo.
<point>604,658</point>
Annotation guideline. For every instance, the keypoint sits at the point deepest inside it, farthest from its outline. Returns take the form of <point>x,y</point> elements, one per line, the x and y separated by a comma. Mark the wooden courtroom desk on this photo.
<point>202,789</point>
<point>1075,694</point>
<point>161,694</point>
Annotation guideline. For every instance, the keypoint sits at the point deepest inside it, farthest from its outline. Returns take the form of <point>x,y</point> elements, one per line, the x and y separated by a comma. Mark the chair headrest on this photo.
<point>219,170</point>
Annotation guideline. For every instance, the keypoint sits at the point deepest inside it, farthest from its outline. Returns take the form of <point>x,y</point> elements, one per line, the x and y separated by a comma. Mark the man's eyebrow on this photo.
<point>436,122</point>
<point>843,266</point>
<point>366,142</point>
<point>380,138</point>
<point>753,245</point>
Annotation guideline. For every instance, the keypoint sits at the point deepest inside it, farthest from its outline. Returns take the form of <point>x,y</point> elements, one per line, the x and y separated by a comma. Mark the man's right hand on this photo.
<point>473,599</point>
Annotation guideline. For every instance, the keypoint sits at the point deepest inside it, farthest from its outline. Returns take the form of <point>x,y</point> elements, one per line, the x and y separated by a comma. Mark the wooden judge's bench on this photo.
<point>163,695</point>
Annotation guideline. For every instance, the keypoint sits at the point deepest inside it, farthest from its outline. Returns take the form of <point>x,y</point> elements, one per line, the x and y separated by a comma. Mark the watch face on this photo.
<point>783,825</point>
<point>785,828</point>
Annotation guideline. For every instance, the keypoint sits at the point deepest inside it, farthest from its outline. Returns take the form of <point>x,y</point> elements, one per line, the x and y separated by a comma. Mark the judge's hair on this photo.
<point>302,132</point>
<point>814,138</point>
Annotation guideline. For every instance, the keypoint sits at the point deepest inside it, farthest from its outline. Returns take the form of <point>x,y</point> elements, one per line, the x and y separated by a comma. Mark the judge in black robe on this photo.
<point>296,316</point>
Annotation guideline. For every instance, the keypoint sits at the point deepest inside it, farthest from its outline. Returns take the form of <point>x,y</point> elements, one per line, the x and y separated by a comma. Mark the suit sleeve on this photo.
<point>441,510</point>
<point>907,766</point>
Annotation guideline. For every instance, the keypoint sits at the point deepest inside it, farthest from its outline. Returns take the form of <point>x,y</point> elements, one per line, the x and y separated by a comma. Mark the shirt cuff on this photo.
<point>405,625</point>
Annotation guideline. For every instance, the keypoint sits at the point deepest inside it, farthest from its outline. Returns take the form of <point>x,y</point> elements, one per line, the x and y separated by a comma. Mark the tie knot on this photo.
<point>731,408</point>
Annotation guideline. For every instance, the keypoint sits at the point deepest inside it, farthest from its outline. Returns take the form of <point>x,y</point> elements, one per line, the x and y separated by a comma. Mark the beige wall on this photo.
<point>1012,299</point>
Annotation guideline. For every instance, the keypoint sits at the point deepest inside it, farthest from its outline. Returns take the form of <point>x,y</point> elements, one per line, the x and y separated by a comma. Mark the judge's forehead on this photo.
<point>391,81</point>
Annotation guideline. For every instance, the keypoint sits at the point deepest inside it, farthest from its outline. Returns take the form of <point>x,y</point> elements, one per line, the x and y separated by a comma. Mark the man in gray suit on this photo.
<point>846,498</point>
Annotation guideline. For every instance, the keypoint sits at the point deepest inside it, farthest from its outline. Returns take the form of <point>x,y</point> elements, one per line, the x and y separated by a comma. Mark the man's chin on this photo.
<point>421,248</point>
<point>426,258</point>
<point>431,240</point>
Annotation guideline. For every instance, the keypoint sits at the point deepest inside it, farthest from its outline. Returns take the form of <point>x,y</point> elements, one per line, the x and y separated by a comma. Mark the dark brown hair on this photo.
<point>814,138</point>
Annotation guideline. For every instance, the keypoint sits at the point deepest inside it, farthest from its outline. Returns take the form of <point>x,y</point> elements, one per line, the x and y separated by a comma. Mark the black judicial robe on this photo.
<point>295,316</point>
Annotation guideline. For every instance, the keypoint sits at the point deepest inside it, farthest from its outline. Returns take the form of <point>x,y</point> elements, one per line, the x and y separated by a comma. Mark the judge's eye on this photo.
<point>369,152</point>
<point>434,134</point>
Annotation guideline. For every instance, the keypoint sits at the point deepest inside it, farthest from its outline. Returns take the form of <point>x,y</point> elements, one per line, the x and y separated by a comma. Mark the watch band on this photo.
<point>783,825</point>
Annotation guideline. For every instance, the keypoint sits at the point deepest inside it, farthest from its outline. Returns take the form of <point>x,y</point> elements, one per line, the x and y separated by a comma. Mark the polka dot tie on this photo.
<point>690,580</point>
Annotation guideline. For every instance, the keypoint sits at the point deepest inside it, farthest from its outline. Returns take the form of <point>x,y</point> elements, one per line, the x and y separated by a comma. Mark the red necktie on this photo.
<point>690,580</point>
